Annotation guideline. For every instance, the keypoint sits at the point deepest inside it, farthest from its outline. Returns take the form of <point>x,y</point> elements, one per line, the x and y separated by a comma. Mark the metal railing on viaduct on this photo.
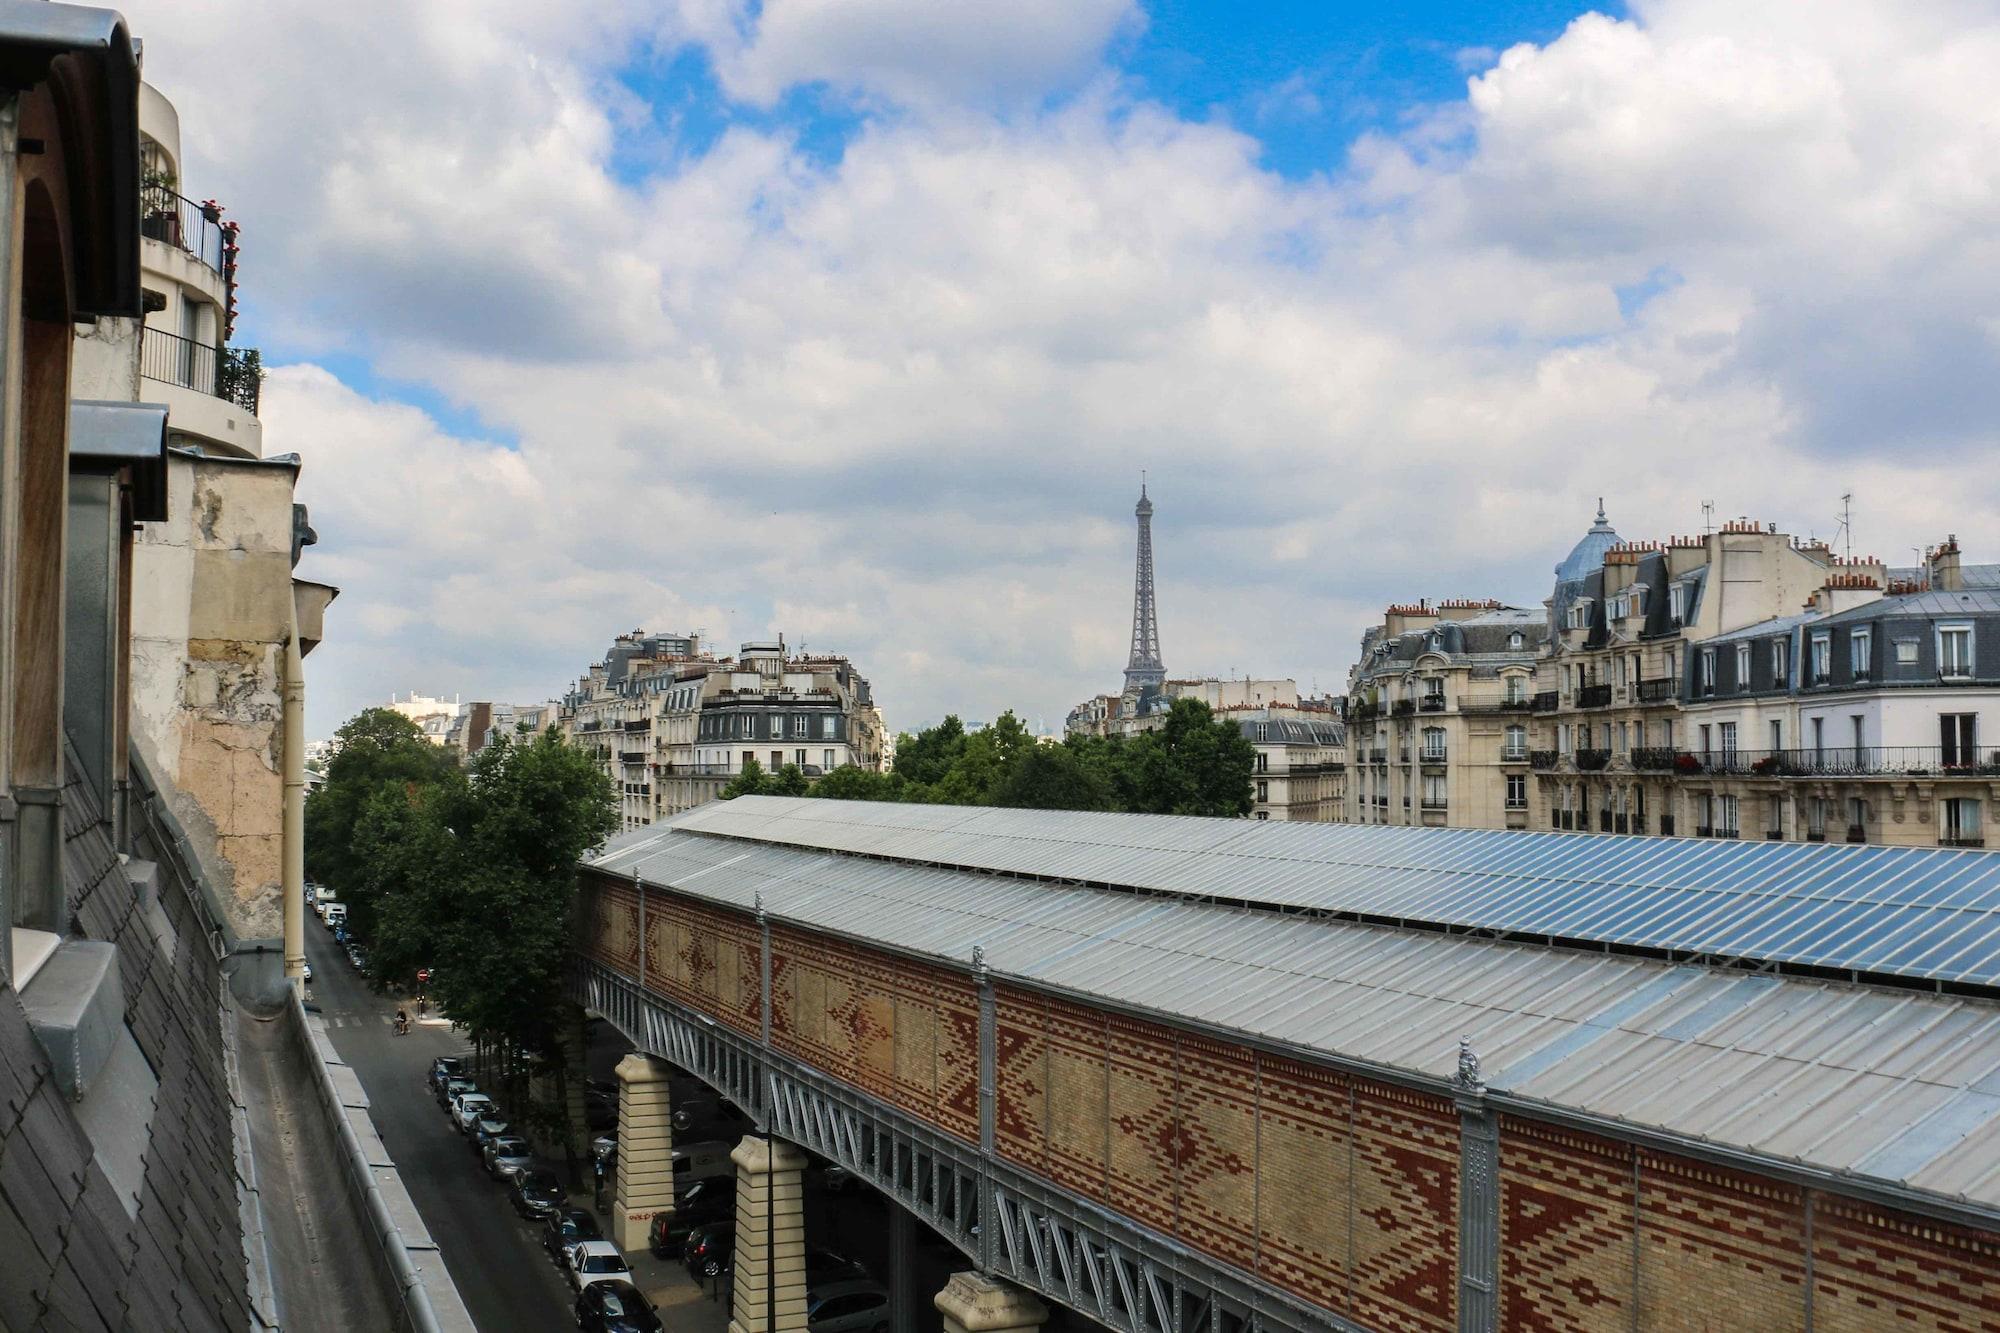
<point>1161,1178</point>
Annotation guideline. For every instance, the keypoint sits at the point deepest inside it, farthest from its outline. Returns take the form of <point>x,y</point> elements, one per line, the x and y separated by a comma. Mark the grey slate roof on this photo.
<point>70,1255</point>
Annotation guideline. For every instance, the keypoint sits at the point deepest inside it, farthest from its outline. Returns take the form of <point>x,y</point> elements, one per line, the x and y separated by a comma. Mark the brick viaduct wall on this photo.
<point>1339,1189</point>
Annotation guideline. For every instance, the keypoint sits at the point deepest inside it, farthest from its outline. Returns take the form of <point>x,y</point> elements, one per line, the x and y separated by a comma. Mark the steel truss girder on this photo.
<point>1058,1246</point>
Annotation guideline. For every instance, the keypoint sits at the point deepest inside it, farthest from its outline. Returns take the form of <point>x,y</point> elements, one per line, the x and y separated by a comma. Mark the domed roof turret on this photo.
<point>1588,554</point>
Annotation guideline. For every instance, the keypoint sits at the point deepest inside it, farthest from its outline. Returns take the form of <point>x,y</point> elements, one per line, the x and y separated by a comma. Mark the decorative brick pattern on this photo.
<point>1874,1268</point>
<point>1737,1240</point>
<point>1305,1195</point>
<point>1405,1208</point>
<point>906,1032</point>
<point>1566,1230</point>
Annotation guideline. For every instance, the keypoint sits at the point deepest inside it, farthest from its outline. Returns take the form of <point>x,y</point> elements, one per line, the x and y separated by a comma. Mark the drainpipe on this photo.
<point>294,869</point>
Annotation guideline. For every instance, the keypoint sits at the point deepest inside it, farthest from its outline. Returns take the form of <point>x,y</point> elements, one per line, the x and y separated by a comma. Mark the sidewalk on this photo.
<point>684,1306</point>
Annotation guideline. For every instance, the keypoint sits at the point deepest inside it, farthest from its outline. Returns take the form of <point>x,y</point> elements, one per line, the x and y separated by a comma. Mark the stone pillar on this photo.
<point>976,1303</point>
<point>770,1293</point>
<point>645,1181</point>
<point>576,1080</point>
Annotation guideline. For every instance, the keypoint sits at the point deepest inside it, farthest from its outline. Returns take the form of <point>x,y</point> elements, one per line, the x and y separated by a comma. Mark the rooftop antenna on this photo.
<point>1707,517</point>
<point>1847,524</point>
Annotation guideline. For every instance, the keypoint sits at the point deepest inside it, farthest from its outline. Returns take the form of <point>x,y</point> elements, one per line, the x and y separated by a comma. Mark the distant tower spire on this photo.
<point>1145,668</point>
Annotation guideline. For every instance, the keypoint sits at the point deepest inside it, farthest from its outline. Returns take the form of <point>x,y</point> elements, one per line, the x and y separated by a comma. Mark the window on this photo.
<point>1776,828</point>
<point>801,726</point>
<point>1816,812</point>
<point>1677,597</point>
<point>1263,762</point>
<point>1742,666</point>
<point>1906,652</point>
<point>1517,688</point>
<point>1434,791</point>
<point>1707,678</point>
<point>1517,742</point>
<point>1822,659</point>
<point>1857,819</point>
<point>1705,729</point>
<point>1433,742</point>
<point>749,758</point>
<point>1638,598</point>
<point>1780,662</point>
<point>1263,814</point>
<point>799,758</point>
<point>1514,641</point>
<point>1961,823</point>
<point>1958,735</point>
<point>1704,806</point>
<point>1777,735</point>
<point>777,760</point>
<point>1860,653</point>
<point>827,723</point>
<point>1729,740</point>
<point>1621,736</point>
<point>1517,791</point>
<point>1263,790</point>
<point>1954,650</point>
<point>1667,733</point>
<point>1856,719</point>
<point>826,761</point>
<point>1819,738</point>
<point>1725,814</point>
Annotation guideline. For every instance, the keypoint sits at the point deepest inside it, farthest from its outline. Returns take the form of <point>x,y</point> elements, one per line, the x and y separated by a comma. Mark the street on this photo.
<point>507,1282</point>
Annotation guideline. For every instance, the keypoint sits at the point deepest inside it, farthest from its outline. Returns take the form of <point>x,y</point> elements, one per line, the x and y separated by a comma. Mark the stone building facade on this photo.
<point>1438,712</point>
<point>1300,774</point>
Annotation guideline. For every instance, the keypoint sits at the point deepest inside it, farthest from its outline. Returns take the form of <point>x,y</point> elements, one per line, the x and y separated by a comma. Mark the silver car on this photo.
<point>858,1305</point>
<point>505,1154</point>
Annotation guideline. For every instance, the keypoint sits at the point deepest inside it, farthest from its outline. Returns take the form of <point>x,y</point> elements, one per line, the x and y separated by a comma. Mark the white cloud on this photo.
<point>897,405</point>
<point>919,52</point>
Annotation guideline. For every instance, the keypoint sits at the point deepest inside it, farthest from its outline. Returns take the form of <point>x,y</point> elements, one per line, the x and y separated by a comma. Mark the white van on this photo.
<point>335,914</point>
<point>702,1161</point>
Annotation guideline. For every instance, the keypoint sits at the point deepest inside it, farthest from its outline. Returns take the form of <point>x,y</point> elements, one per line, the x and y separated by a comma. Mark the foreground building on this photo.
<point>158,1076</point>
<point>671,724</point>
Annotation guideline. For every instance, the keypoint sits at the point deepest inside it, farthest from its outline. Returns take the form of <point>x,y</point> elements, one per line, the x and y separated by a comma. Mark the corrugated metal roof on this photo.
<point>1908,913</point>
<point>1897,1085</point>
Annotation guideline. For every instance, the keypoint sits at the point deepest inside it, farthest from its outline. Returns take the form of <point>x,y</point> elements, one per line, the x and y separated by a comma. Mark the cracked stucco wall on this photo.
<point>211,607</point>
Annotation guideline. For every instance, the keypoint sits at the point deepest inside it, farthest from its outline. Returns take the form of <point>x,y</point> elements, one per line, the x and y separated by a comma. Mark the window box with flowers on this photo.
<point>1686,763</point>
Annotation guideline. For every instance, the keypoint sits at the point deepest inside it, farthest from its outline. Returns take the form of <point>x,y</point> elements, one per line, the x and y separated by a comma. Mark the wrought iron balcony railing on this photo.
<point>171,217</point>
<point>235,375</point>
<point>1594,696</point>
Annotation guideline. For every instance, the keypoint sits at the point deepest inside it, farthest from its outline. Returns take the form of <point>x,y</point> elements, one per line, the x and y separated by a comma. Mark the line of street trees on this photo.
<point>471,873</point>
<point>1192,764</point>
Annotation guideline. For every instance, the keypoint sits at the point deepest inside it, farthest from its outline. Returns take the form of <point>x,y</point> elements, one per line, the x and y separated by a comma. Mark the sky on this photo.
<point>859,320</point>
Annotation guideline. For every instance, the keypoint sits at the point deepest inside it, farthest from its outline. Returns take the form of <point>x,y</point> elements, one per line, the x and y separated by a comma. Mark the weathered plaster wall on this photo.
<point>211,611</point>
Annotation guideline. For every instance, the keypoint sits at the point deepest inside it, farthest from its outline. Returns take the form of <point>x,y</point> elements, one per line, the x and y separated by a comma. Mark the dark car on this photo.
<point>705,1201</point>
<point>564,1227</point>
<point>535,1193</point>
<point>614,1307</point>
<point>484,1130</point>
<point>708,1249</point>
<point>445,1067</point>
<point>451,1087</point>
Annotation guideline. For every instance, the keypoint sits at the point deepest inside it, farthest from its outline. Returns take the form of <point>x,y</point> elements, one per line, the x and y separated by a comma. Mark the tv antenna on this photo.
<point>1707,517</point>
<point>1846,529</point>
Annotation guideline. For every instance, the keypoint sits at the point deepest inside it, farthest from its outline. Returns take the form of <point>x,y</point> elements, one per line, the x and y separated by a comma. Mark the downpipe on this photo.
<point>294,818</point>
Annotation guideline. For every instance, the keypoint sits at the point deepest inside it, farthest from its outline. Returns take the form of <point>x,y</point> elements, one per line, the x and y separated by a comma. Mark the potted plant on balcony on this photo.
<point>159,215</point>
<point>1768,765</point>
<point>1686,763</point>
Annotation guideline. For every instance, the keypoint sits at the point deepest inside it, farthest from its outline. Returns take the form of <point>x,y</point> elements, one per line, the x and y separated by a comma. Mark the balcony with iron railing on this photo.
<point>1590,761</point>
<point>1663,690</point>
<point>1593,696</point>
<point>1841,761</point>
<point>1431,703</point>
<point>1403,708</point>
<point>233,374</point>
<point>1546,701</point>
<point>1542,760</point>
<point>171,218</point>
<point>1652,758</point>
<point>1431,755</point>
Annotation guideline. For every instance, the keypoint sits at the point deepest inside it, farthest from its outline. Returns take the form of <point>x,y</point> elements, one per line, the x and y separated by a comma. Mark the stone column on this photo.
<point>770,1294</point>
<point>645,1181</point>
<point>976,1303</point>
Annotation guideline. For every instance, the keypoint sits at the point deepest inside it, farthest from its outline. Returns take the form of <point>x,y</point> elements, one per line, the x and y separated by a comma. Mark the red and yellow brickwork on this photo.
<point>1601,1235</point>
<point>905,1032</point>
<point>1339,1189</point>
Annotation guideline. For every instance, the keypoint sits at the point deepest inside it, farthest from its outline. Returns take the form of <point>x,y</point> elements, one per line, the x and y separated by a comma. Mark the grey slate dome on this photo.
<point>1588,555</point>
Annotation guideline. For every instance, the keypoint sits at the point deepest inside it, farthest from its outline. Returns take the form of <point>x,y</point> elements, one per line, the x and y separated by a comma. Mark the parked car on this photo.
<point>484,1128</point>
<point>857,1305</point>
<point>702,1161</point>
<point>470,1106</point>
<point>591,1261</point>
<point>708,1249</point>
<point>306,971</point>
<point>442,1068</point>
<point>703,1202</point>
<point>449,1089</point>
<point>564,1227</point>
<point>504,1154</point>
<point>535,1193</point>
<point>614,1306</point>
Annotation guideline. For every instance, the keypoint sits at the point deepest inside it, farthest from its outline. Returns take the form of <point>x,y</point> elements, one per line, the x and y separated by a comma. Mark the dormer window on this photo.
<point>1514,641</point>
<point>1677,602</point>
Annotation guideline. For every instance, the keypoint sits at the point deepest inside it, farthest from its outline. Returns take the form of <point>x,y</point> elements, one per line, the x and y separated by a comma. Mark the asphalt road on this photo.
<point>506,1281</point>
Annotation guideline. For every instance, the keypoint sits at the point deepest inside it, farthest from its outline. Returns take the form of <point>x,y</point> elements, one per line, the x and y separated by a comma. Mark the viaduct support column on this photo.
<point>770,1287</point>
<point>976,1303</point>
<point>645,1183</point>
<point>902,1269</point>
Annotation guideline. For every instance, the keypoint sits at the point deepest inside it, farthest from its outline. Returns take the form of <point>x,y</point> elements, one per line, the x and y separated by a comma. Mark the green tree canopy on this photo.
<point>379,751</point>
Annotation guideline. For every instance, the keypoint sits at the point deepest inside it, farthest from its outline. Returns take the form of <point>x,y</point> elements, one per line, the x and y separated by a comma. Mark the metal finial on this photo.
<point>1469,1078</point>
<point>757,905</point>
<point>979,959</point>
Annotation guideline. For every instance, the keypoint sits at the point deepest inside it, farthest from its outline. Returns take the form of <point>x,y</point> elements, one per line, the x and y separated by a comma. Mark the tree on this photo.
<point>1191,765</point>
<point>752,781</point>
<point>379,750</point>
<point>851,783</point>
<point>1054,777</point>
<point>927,756</point>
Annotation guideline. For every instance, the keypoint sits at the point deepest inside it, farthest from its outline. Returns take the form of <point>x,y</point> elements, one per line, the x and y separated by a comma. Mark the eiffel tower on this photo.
<point>1145,670</point>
